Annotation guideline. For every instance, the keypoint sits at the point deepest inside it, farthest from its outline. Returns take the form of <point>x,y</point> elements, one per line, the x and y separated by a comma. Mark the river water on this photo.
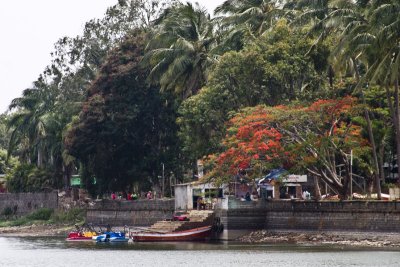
<point>56,252</point>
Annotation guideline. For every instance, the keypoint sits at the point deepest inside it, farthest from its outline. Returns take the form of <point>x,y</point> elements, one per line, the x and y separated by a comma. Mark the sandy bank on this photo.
<point>36,230</point>
<point>364,239</point>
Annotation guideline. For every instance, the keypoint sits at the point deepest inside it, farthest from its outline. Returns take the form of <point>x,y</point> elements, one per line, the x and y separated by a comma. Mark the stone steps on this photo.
<point>196,219</point>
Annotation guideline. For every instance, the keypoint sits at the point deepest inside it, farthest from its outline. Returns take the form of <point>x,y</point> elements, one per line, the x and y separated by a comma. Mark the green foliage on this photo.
<point>74,215</point>
<point>6,163</point>
<point>7,212</point>
<point>313,139</point>
<point>180,52</point>
<point>273,70</point>
<point>43,214</point>
<point>126,129</point>
<point>4,135</point>
<point>92,111</point>
<point>29,178</point>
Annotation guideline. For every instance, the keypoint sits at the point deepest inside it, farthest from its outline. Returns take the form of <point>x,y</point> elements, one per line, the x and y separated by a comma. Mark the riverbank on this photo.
<point>36,230</point>
<point>359,239</point>
<point>355,239</point>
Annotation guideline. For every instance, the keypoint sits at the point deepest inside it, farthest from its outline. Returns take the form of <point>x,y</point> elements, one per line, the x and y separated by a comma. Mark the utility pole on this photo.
<point>351,174</point>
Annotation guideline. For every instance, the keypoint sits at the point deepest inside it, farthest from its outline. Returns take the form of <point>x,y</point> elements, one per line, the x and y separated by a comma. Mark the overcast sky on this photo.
<point>29,28</point>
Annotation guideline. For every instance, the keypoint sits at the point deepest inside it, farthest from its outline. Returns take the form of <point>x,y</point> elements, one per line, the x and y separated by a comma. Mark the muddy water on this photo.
<point>56,252</point>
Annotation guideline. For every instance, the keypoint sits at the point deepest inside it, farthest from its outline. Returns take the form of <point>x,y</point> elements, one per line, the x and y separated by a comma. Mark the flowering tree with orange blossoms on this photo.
<point>315,139</point>
<point>250,143</point>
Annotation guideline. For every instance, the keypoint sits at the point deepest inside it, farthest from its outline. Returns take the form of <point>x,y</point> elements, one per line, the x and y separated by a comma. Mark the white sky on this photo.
<point>29,28</point>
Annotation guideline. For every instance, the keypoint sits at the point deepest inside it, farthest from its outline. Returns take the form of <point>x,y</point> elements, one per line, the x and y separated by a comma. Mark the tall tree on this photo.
<point>273,70</point>
<point>257,15</point>
<point>317,139</point>
<point>180,53</point>
<point>125,129</point>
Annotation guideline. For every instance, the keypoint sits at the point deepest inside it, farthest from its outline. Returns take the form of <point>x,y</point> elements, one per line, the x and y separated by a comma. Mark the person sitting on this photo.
<point>149,195</point>
<point>242,198</point>
<point>248,198</point>
<point>134,196</point>
<point>201,204</point>
<point>254,196</point>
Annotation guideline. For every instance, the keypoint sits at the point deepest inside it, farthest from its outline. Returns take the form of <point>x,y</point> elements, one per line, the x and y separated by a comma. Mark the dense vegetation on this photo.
<point>156,85</point>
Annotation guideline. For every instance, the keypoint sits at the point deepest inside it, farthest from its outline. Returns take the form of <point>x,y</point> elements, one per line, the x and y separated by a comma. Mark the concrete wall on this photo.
<point>24,203</point>
<point>342,216</point>
<point>243,217</point>
<point>141,212</point>
<point>182,195</point>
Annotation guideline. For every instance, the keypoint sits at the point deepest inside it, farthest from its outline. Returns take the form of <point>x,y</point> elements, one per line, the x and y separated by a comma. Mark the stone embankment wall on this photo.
<point>141,212</point>
<point>242,217</point>
<point>24,203</point>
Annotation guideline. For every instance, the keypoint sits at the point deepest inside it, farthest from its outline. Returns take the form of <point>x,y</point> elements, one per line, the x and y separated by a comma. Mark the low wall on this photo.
<point>341,216</point>
<point>24,203</point>
<point>242,217</point>
<point>141,212</point>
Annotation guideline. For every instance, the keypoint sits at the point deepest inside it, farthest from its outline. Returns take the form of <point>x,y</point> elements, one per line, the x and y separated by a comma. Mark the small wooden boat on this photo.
<point>200,233</point>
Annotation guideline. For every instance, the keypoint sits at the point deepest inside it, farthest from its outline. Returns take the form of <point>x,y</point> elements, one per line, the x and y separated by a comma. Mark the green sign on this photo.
<point>75,180</point>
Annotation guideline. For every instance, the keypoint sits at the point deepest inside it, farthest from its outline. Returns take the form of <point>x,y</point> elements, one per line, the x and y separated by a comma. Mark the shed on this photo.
<point>186,195</point>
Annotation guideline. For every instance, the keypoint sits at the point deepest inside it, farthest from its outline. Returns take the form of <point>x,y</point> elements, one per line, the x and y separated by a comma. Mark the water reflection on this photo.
<point>57,252</point>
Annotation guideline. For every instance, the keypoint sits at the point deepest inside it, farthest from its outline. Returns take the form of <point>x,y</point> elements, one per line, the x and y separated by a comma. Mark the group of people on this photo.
<point>249,197</point>
<point>127,196</point>
<point>133,196</point>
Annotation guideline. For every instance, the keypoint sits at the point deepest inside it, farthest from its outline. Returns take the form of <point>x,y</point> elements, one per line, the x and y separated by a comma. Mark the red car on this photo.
<point>180,216</point>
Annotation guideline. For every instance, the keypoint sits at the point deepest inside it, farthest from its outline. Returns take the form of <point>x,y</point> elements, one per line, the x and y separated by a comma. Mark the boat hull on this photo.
<point>111,237</point>
<point>79,236</point>
<point>188,235</point>
<point>78,239</point>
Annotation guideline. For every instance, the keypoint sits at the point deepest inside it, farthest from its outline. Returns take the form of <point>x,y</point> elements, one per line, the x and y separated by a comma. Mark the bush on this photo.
<point>74,215</point>
<point>29,178</point>
<point>7,212</point>
<point>40,214</point>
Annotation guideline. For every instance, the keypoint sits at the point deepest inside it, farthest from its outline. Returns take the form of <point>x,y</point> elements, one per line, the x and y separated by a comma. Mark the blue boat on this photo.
<point>111,237</point>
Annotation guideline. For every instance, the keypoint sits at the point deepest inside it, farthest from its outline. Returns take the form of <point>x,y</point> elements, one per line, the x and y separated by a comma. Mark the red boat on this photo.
<point>78,236</point>
<point>200,233</point>
<point>82,233</point>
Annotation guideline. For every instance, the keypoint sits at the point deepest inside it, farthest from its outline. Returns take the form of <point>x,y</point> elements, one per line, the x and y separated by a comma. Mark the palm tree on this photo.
<point>28,123</point>
<point>180,53</point>
<point>344,20</point>
<point>257,15</point>
<point>242,20</point>
<point>370,37</point>
<point>384,57</point>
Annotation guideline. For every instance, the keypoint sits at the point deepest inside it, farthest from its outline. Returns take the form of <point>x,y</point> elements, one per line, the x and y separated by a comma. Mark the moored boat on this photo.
<point>200,233</point>
<point>111,237</point>
<point>80,236</point>
<point>82,233</point>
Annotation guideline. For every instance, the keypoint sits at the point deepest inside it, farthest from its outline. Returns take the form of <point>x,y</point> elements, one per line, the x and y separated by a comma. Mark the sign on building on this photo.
<point>294,178</point>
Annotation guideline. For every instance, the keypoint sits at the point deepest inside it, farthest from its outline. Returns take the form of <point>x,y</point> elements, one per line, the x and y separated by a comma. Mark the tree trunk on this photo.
<point>372,140</point>
<point>397,120</point>
<point>394,112</point>
<point>381,152</point>
<point>39,158</point>
<point>317,188</point>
